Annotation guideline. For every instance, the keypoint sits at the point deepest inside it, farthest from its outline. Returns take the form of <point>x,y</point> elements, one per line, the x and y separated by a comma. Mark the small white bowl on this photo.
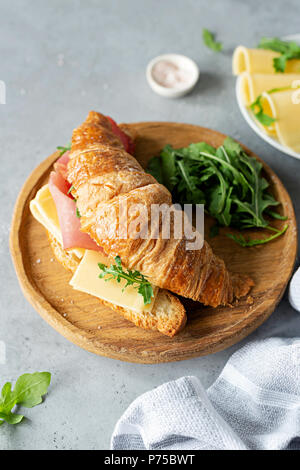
<point>182,62</point>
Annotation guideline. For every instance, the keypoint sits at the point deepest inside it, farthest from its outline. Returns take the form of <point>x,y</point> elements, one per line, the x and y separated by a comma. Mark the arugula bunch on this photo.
<point>28,392</point>
<point>117,272</point>
<point>226,180</point>
<point>288,50</point>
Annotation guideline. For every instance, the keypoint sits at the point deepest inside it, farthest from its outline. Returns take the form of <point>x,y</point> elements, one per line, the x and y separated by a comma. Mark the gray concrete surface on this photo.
<point>59,59</point>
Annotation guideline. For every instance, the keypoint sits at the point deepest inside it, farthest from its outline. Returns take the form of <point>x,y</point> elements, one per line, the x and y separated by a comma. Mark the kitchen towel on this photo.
<point>254,404</point>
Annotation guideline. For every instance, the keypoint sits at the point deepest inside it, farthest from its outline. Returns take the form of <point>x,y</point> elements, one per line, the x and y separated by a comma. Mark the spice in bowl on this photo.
<point>172,75</point>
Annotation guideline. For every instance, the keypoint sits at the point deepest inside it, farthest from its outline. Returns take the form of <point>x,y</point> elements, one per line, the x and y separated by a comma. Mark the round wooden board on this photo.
<point>84,321</point>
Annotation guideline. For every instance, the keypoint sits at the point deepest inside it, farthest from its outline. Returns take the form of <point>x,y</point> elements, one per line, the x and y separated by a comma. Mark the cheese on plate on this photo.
<point>286,111</point>
<point>86,279</point>
<point>253,85</point>
<point>259,61</point>
<point>44,211</point>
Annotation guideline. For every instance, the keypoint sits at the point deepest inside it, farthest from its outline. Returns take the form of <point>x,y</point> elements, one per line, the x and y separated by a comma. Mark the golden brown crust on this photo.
<point>168,315</point>
<point>105,175</point>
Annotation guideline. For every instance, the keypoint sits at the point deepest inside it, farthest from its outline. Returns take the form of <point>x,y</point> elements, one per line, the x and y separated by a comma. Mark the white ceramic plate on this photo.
<point>251,120</point>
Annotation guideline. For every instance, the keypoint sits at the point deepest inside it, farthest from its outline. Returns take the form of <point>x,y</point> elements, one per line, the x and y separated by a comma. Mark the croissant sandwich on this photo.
<point>102,200</point>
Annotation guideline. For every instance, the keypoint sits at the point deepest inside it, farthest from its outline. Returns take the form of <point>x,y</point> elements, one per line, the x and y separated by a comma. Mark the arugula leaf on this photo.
<point>258,111</point>
<point>117,272</point>
<point>78,213</point>
<point>283,88</point>
<point>274,44</point>
<point>154,167</point>
<point>168,168</point>
<point>188,185</point>
<point>64,149</point>
<point>279,63</point>
<point>214,230</point>
<point>275,215</point>
<point>28,392</point>
<point>225,217</point>
<point>209,40</point>
<point>232,146</point>
<point>218,196</point>
<point>241,240</point>
<point>226,180</point>
<point>288,50</point>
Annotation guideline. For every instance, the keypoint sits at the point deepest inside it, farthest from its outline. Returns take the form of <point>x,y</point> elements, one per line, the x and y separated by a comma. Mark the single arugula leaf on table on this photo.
<point>209,40</point>
<point>28,392</point>
<point>133,278</point>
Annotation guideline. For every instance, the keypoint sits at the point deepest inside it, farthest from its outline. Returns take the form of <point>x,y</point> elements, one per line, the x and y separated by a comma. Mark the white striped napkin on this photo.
<point>254,404</point>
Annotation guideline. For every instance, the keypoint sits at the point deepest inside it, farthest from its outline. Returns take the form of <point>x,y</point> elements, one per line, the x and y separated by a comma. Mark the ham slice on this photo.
<point>65,205</point>
<point>66,211</point>
<point>61,165</point>
<point>125,139</point>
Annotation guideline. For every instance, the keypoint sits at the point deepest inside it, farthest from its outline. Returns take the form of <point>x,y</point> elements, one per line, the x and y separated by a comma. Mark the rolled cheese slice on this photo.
<point>284,106</point>
<point>253,85</point>
<point>259,61</point>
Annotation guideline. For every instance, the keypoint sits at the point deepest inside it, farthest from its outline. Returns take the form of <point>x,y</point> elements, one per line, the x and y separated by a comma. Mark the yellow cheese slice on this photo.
<point>86,279</point>
<point>253,85</point>
<point>259,61</point>
<point>284,106</point>
<point>44,210</point>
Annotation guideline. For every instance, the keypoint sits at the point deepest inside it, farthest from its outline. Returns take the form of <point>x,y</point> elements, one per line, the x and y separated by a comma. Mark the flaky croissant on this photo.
<point>103,175</point>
